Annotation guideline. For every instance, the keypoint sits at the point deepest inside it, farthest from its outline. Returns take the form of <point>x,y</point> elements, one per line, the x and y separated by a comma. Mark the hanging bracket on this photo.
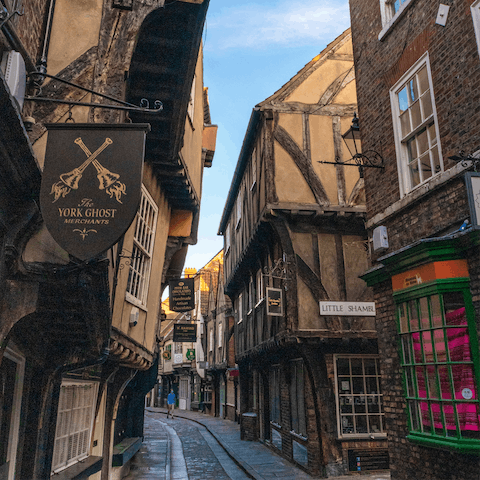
<point>126,106</point>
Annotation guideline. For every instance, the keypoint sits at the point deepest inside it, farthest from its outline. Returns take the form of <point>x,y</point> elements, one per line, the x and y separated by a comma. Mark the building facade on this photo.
<point>294,242</point>
<point>78,339</point>
<point>417,65</point>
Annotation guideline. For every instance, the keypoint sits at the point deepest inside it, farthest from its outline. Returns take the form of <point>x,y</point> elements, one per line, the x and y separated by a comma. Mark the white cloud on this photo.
<point>282,23</point>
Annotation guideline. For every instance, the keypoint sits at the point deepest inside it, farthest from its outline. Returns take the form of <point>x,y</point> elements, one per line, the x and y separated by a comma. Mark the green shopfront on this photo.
<point>427,297</point>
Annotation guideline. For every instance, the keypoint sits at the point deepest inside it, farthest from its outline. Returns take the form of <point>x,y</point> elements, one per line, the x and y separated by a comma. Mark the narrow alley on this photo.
<point>194,446</point>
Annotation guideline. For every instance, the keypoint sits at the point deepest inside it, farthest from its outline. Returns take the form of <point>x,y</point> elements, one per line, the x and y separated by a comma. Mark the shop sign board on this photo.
<point>91,184</point>
<point>349,309</point>
<point>181,297</point>
<point>184,332</point>
<point>190,354</point>
<point>274,302</point>
<point>472,182</point>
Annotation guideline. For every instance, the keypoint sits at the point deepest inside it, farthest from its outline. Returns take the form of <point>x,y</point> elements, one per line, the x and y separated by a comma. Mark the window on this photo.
<point>275,395</point>
<point>227,239</point>
<point>476,21</point>
<point>210,346</point>
<point>437,332</point>
<point>76,411</point>
<point>391,11</point>
<point>143,242</point>
<point>11,385</point>
<point>359,397</point>
<point>297,397</point>
<point>240,308</point>
<point>191,101</point>
<point>239,208</point>
<point>220,335</point>
<point>415,127</point>
<point>254,168</point>
<point>251,295</point>
<point>178,348</point>
<point>259,287</point>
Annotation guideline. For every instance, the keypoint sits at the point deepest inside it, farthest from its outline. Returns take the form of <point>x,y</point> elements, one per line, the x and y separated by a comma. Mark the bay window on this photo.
<point>439,357</point>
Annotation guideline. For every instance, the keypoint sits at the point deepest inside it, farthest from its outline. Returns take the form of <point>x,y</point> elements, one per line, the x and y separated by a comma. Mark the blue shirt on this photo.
<point>171,398</point>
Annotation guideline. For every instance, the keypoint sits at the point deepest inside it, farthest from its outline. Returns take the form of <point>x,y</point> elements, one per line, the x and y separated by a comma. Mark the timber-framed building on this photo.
<point>78,339</point>
<point>294,236</point>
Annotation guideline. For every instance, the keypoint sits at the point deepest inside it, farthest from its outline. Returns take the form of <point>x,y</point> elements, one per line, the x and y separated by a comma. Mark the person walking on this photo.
<point>171,403</point>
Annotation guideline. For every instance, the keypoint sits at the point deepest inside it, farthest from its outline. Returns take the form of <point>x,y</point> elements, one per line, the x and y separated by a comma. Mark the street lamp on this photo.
<point>353,141</point>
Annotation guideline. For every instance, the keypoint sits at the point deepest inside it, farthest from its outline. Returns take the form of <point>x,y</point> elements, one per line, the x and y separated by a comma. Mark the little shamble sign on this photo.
<point>91,184</point>
<point>350,309</point>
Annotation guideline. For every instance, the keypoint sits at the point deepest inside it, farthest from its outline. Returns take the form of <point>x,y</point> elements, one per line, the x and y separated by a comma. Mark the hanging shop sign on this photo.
<point>190,354</point>
<point>91,184</point>
<point>184,332</point>
<point>181,297</point>
<point>274,302</point>
<point>349,309</point>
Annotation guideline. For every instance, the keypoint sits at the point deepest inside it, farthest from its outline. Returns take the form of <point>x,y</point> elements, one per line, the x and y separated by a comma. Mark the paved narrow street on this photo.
<point>193,446</point>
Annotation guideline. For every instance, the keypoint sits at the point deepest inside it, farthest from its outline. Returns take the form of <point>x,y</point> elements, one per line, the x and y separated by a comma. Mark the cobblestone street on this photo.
<point>193,446</point>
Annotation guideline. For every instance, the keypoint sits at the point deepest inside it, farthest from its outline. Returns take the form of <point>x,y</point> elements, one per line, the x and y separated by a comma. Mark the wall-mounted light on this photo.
<point>353,141</point>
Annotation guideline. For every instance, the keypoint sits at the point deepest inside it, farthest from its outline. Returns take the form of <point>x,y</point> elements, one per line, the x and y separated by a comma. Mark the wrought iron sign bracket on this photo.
<point>276,271</point>
<point>144,107</point>
<point>464,159</point>
<point>369,159</point>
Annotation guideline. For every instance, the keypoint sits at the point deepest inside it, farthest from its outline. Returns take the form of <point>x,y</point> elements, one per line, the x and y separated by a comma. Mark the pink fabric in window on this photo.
<point>463,376</point>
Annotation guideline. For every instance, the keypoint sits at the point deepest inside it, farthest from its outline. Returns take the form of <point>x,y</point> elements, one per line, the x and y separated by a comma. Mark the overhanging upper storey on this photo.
<point>163,68</point>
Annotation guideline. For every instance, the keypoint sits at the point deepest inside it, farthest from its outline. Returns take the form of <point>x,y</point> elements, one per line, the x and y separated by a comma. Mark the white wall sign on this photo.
<point>178,358</point>
<point>358,309</point>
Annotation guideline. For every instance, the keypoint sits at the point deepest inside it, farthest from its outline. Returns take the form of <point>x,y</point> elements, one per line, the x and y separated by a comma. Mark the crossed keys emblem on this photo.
<point>108,180</point>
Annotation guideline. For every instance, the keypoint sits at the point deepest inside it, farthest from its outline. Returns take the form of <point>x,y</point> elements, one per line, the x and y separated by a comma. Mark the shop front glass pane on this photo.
<point>375,423</point>
<point>346,404</point>
<point>414,173</point>
<point>343,366</point>
<point>410,381</point>
<point>357,385</point>
<point>347,424</point>
<point>357,366</point>
<point>414,415</point>
<point>360,405</point>
<point>370,366</point>
<point>407,349</point>
<point>344,385</point>
<point>371,383</point>
<point>426,166</point>
<point>432,382</point>
<point>402,315</point>
<point>412,310</point>
<point>373,404</point>
<point>361,424</point>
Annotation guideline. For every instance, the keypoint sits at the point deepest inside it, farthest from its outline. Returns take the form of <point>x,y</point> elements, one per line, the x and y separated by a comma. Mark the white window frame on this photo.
<point>381,413</point>
<point>475,8</point>
<point>15,356</point>
<point>210,346</point>
<point>400,141</point>
<point>84,413</point>
<point>142,251</point>
<point>389,16</point>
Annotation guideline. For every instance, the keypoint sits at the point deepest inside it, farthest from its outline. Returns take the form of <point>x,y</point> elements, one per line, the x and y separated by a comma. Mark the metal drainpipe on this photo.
<point>42,67</point>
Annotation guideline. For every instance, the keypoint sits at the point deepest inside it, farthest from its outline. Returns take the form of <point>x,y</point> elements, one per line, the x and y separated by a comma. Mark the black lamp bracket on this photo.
<point>368,159</point>
<point>39,77</point>
<point>465,160</point>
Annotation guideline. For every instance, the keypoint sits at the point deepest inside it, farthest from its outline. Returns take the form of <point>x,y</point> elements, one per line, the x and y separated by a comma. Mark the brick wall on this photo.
<point>455,69</point>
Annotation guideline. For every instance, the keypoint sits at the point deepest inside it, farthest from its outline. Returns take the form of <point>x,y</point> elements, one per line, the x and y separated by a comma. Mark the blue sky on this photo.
<point>251,49</point>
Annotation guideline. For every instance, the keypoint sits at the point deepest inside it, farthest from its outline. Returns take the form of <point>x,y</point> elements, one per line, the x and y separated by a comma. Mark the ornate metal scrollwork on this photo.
<point>465,160</point>
<point>277,270</point>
